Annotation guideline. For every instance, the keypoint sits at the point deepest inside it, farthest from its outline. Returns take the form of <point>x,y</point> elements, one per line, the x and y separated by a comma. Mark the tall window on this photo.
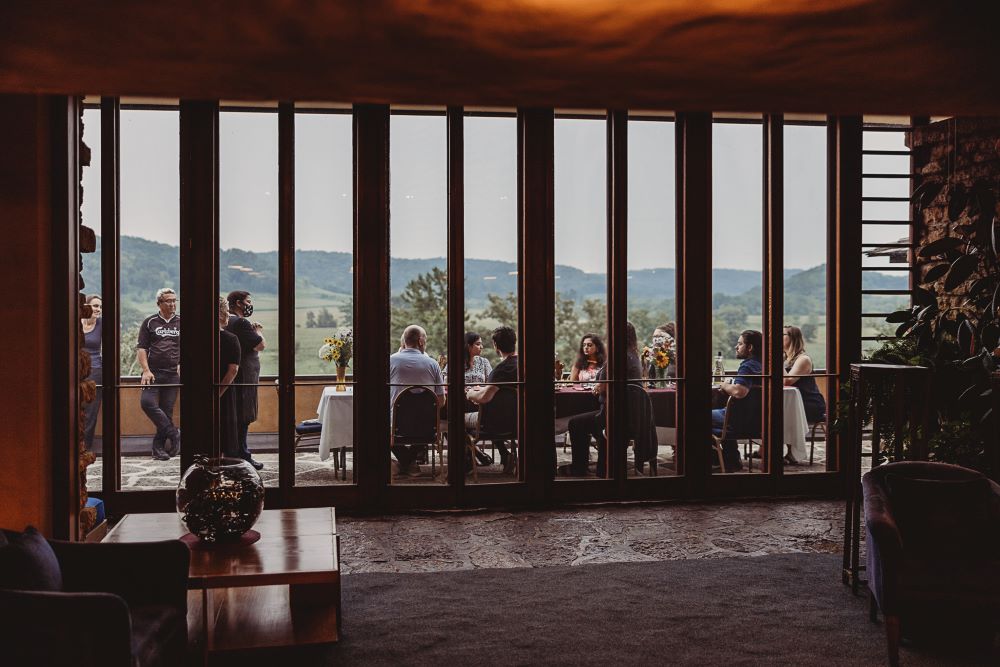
<point>652,287</point>
<point>418,252</point>
<point>91,272</point>
<point>491,294</point>
<point>149,260</point>
<point>805,299</point>
<point>324,296</point>
<point>737,284</point>
<point>581,223</point>
<point>248,276</point>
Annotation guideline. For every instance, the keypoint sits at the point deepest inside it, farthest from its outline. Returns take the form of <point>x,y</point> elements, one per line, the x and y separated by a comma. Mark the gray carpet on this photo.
<point>788,609</point>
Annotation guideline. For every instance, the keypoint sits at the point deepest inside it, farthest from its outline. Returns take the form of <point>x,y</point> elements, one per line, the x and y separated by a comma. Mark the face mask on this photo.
<point>247,309</point>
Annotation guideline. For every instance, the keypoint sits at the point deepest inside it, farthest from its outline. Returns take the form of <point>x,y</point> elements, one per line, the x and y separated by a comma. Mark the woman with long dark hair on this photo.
<point>590,358</point>
<point>477,367</point>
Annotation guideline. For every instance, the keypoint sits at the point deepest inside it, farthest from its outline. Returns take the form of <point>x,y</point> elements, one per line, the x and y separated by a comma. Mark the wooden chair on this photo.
<point>641,429</point>
<point>416,420</point>
<point>749,405</point>
<point>497,422</point>
<point>816,426</point>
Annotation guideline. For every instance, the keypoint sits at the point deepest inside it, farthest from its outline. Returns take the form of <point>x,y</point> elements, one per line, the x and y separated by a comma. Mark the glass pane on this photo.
<point>872,233</point>
<point>581,293</point>
<point>248,279</point>
<point>885,280</point>
<point>90,211</point>
<point>491,284</point>
<point>805,399</point>
<point>737,251</point>
<point>418,250</point>
<point>885,187</point>
<point>884,141</point>
<point>324,298</point>
<point>150,324</point>
<point>885,164</point>
<point>652,299</point>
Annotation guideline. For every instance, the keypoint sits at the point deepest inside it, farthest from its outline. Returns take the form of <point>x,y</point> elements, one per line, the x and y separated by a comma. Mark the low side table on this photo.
<point>283,590</point>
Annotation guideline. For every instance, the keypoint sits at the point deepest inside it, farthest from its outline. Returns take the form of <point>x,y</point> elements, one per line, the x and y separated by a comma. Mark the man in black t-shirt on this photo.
<point>499,401</point>
<point>251,343</point>
<point>159,354</point>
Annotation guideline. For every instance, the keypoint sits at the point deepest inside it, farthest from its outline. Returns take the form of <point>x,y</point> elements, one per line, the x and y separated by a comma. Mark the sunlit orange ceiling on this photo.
<point>889,56</point>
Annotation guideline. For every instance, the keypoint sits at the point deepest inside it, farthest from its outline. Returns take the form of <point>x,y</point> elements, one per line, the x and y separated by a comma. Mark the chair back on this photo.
<point>640,424</point>
<point>415,416</point>
<point>499,416</point>
<point>743,415</point>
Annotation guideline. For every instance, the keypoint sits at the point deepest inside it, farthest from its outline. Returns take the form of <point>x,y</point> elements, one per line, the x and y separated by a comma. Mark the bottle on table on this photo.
<point>720,369</point>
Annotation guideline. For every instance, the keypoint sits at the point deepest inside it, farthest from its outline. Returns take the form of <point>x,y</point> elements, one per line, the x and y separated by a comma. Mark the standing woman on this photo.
<point>251,342</point>
<point>590,359</point>
<point>477,367</point>
<point>92,332</point>
<point>229,366</point>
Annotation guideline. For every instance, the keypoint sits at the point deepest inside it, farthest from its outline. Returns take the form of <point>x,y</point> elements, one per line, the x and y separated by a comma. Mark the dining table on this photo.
<point>336,417</point>
<point>577,399</point>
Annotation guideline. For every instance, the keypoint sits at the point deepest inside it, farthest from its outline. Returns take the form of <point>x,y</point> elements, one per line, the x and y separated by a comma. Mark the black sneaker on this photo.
<point>161,456</point>
<point>257,465</point>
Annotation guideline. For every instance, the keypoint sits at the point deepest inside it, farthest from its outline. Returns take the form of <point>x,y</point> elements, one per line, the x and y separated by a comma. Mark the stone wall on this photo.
<point>962,151</point>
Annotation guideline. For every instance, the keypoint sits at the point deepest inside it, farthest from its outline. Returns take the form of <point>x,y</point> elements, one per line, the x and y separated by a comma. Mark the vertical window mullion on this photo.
<point>286,295</point>
<point>773,284</point>
<point>110,251</point>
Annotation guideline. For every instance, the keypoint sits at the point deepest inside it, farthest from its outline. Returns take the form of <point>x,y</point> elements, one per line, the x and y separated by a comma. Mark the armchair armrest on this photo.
<point>44,628</point>
<point>141,572</point>
<point>881,525</point>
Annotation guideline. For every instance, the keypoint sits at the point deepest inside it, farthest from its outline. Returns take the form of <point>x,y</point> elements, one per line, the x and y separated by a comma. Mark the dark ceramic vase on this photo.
<point>220,499</point>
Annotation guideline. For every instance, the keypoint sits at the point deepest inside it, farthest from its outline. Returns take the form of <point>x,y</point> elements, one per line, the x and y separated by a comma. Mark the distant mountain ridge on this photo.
<point>148,265</point>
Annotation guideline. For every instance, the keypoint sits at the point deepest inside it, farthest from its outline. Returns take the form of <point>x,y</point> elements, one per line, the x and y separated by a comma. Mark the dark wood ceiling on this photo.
<point>871,56</point>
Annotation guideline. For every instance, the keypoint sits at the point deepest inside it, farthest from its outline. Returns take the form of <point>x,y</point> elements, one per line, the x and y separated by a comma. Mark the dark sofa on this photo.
<point>933,544</point>
<point>115,604</point>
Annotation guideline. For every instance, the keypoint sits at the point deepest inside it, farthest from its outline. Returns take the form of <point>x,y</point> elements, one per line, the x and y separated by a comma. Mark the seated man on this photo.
<point>589,425</point>
<point>505,344</point>
<point>411,366</point>
<point>748,348</point>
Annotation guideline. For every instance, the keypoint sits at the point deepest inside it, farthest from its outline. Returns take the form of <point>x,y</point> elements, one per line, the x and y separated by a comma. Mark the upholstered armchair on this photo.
<point>933,543</point>
<point>95,604</point>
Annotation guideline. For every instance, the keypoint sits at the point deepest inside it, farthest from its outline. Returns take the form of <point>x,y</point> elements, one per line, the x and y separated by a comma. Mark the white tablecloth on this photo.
<point>336,414</point>
<point>795,424</point>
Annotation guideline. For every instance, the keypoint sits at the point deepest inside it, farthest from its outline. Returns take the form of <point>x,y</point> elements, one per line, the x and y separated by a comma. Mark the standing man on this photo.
<point>159,354</point>
<point>251,343</point>
<point>411,366</point>
<point>748,350</point>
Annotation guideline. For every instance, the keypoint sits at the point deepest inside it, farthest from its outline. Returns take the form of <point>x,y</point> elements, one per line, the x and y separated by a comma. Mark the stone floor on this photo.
<point>585,535</point>
<point>142,472</point>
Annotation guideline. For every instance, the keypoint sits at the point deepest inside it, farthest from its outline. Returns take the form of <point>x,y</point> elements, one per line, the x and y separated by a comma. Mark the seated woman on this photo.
<point>589,359</point>
<point>477,367</point>
<point>798,370</point>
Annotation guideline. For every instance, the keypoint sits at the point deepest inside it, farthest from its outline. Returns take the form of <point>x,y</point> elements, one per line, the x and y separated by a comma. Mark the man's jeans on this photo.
<point>158,404</point>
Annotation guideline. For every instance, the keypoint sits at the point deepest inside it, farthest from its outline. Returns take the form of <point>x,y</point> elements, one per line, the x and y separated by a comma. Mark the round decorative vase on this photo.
<point>220,499</point>
<point>341,374</point>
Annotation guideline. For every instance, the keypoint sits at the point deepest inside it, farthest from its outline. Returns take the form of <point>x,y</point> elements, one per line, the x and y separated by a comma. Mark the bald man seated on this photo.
<point>412,366</point>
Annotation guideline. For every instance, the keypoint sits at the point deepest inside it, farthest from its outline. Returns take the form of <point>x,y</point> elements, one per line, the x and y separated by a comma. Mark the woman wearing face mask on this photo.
<point>251,343</point>
<point>92,332</point>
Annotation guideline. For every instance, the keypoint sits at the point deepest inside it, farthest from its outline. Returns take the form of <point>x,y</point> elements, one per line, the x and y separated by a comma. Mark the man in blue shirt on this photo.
<point>747,420</point>
<point>411,366</point>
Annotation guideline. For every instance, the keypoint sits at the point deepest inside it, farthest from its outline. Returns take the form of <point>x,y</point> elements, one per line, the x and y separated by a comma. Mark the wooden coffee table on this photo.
<point>283,590</point>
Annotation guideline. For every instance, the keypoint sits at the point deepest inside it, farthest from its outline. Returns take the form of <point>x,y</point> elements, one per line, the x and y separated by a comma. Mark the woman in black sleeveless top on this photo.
<point>798,372</point>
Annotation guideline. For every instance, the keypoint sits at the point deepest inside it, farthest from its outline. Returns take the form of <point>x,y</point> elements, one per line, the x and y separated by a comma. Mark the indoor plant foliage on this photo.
<point>953,326</point>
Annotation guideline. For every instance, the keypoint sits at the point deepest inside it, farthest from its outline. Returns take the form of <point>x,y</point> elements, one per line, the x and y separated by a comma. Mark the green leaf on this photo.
<point>972,362</point>
<point>969,393</point>
<point>922,297</point>
<point>995,236</point>
<point>940,246</point>
<point>899,316</point>
<point>966,338</point>
<point>960,270</point>
<point>904,328</point>
<point>934,273</point>
<point>987,393</point>
<point>958,200</point>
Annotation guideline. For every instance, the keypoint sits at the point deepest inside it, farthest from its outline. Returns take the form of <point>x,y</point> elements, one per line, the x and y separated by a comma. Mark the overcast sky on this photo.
<point>418,177</point>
